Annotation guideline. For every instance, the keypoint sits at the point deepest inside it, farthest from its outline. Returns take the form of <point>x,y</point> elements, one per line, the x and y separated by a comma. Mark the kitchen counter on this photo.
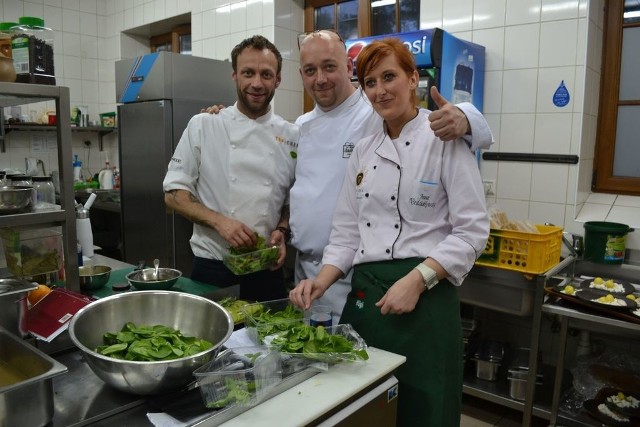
<point>81,398</point>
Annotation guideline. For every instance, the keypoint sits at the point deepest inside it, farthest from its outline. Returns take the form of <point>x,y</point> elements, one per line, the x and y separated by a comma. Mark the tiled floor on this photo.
<point>480,413</point>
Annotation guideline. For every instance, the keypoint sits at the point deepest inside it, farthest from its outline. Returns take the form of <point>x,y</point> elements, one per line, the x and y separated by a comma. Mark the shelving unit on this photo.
<point>12,94</point>
<point>101,131</point>
<point>499,393</point>
<point>545,403</point>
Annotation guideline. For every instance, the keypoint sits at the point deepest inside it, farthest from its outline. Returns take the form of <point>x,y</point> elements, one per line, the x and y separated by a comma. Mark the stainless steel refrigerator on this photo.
<point>159,93</point>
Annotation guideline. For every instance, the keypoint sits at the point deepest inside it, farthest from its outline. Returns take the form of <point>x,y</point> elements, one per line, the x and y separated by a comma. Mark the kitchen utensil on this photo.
<point>147,280</point>
<point>15,198</point>
<point>13,304</point>
<point>156,264</point>
<point>93,277</point>
<point>192,315</point>
<point>30,373</point>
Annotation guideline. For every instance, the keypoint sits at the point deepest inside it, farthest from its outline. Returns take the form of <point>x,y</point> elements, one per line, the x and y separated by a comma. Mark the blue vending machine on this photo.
<point>454,66</point>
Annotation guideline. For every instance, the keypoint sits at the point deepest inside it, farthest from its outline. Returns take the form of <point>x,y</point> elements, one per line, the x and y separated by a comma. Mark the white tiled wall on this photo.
<point>532,46</point>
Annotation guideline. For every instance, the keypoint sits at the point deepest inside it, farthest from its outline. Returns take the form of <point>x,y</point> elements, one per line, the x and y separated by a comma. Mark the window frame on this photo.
<point>603,179</point>
<point>173,38</point>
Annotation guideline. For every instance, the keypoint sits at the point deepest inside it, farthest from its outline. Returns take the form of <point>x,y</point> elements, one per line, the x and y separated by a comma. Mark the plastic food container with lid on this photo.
<point>32,50</point>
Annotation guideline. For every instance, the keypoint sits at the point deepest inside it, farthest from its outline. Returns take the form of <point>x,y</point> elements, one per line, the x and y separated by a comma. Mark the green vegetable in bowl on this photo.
<point>317,343</point>
<point>249,259</point>
<point>234,307</point>
<point>150,343</point>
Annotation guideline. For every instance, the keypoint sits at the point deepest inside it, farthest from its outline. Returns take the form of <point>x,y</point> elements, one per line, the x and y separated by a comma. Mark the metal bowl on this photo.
<point>93,277</point>
<point>14,198</point>
<point>192,315</point>
<point>146,279</point>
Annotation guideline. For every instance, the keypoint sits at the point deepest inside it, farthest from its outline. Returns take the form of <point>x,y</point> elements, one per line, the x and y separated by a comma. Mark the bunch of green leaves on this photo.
<point>269,322</point>
<point>237,391</point>
<point>317,343</point>
<point>235,307</point>
<point>150,343</point>
<point>248,259</point>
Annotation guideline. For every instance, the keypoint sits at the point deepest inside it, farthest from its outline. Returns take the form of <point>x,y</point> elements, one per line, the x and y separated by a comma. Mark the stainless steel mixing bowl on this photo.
<point>146,279</point>
<point>93,277</point>
<point>190,314</point>
<point>14,198</point>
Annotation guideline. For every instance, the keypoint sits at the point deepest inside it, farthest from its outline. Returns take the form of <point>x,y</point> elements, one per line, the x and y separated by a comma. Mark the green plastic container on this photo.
<point>605,242</point>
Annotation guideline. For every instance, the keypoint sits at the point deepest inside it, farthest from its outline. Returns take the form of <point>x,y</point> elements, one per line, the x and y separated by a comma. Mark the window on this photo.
<point>616,168</point>
<point>177,41</point>
<point>360,18</point>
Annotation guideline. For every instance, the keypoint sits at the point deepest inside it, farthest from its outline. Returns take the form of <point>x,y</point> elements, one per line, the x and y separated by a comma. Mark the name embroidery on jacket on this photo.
<point>422,200</point>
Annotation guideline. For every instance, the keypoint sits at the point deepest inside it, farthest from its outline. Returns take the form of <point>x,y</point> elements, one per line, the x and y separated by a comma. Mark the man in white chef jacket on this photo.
<point>341,117</point>
<point>231,173</point>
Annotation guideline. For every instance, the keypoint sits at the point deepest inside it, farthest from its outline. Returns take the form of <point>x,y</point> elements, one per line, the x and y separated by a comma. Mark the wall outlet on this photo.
<point>489,187</point>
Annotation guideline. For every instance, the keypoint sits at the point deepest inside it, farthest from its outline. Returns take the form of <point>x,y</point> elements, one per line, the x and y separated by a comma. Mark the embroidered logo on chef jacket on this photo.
<point>347,149</point>
<point>288,142</point>
<point>360,295</point>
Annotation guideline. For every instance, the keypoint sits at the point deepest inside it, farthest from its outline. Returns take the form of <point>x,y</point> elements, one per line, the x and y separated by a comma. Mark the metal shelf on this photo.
<point>20,94</point>
<point>32,127</point>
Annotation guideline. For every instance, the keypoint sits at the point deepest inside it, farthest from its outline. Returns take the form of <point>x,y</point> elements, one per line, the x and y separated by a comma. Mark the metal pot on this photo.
<point>13,304</point>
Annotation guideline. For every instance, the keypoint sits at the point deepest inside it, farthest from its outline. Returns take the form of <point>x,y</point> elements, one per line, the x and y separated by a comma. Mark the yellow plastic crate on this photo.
<point>522,251</point>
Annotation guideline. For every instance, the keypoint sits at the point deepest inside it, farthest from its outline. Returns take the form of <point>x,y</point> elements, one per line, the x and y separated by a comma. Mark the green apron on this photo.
<point>430,337</point>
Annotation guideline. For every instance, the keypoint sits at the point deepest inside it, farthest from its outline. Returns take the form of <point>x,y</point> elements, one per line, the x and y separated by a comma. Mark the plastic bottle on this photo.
<point>77,169</point>
<point>32,49</point>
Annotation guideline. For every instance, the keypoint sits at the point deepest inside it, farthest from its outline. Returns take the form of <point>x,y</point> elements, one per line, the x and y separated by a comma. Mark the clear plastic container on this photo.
<point>45,192</point>
<point>32,49</point>
<point>32,252</point>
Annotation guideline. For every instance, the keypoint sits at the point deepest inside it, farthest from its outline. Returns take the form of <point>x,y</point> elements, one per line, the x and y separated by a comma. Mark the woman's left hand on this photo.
<point>403,295</point>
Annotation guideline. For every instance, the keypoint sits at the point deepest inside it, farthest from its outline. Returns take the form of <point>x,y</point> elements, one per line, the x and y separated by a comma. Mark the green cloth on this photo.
<point>430,337</point>
<point>183,284</point>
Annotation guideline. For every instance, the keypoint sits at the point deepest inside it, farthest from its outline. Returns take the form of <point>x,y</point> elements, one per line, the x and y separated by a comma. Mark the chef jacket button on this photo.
<point>267,182</point>
<point>271,152</point>
<point>396,226</point>
<point>368,224</point>
<point>388,251</point>
<point>264,214</point>
<point>407,143</point>
<point>398,167</point>
<point>316,262</point>
<point>393,197</point>
<point>361,251</point>
<point>375,167</point>
<point>366,194</point>
<point>233,146</point>
<point>233,179</point>
<point>233,211</point>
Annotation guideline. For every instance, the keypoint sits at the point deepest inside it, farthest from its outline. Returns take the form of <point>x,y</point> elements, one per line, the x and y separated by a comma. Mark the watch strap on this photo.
<point>429,275</point>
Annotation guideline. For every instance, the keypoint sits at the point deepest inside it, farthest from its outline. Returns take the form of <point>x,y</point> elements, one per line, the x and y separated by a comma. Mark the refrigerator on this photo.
<point>454,66</point>
<point>157,94</point>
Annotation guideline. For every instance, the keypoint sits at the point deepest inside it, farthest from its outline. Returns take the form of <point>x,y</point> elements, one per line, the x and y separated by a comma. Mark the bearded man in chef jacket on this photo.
<point>231,173</point>
<point>341,117</point>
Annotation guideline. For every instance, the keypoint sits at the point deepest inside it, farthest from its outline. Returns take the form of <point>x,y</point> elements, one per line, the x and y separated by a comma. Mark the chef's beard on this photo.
<point>253,109</point>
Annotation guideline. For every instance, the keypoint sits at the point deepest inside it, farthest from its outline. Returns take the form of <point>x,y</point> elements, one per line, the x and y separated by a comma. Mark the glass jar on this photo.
<point>5,38</point>
<point>32,50</point>
<point>45,192</point>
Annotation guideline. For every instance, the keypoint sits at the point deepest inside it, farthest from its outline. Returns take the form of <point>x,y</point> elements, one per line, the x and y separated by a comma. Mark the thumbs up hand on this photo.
<point>448,122</point>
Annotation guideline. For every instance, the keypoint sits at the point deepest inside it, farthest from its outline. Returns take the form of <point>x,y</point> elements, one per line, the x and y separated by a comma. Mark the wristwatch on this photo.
<point>428,275</point>
<point>286,231</point>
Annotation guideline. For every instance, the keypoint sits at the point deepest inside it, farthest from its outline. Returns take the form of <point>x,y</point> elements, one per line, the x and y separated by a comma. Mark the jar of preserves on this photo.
<point>32,50</point>
<point>5,38</point>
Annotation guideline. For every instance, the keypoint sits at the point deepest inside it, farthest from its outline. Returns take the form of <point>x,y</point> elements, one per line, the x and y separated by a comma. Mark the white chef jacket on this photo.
<point>415,196</point>
<point>238,166</point>
<point>326,142</point>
